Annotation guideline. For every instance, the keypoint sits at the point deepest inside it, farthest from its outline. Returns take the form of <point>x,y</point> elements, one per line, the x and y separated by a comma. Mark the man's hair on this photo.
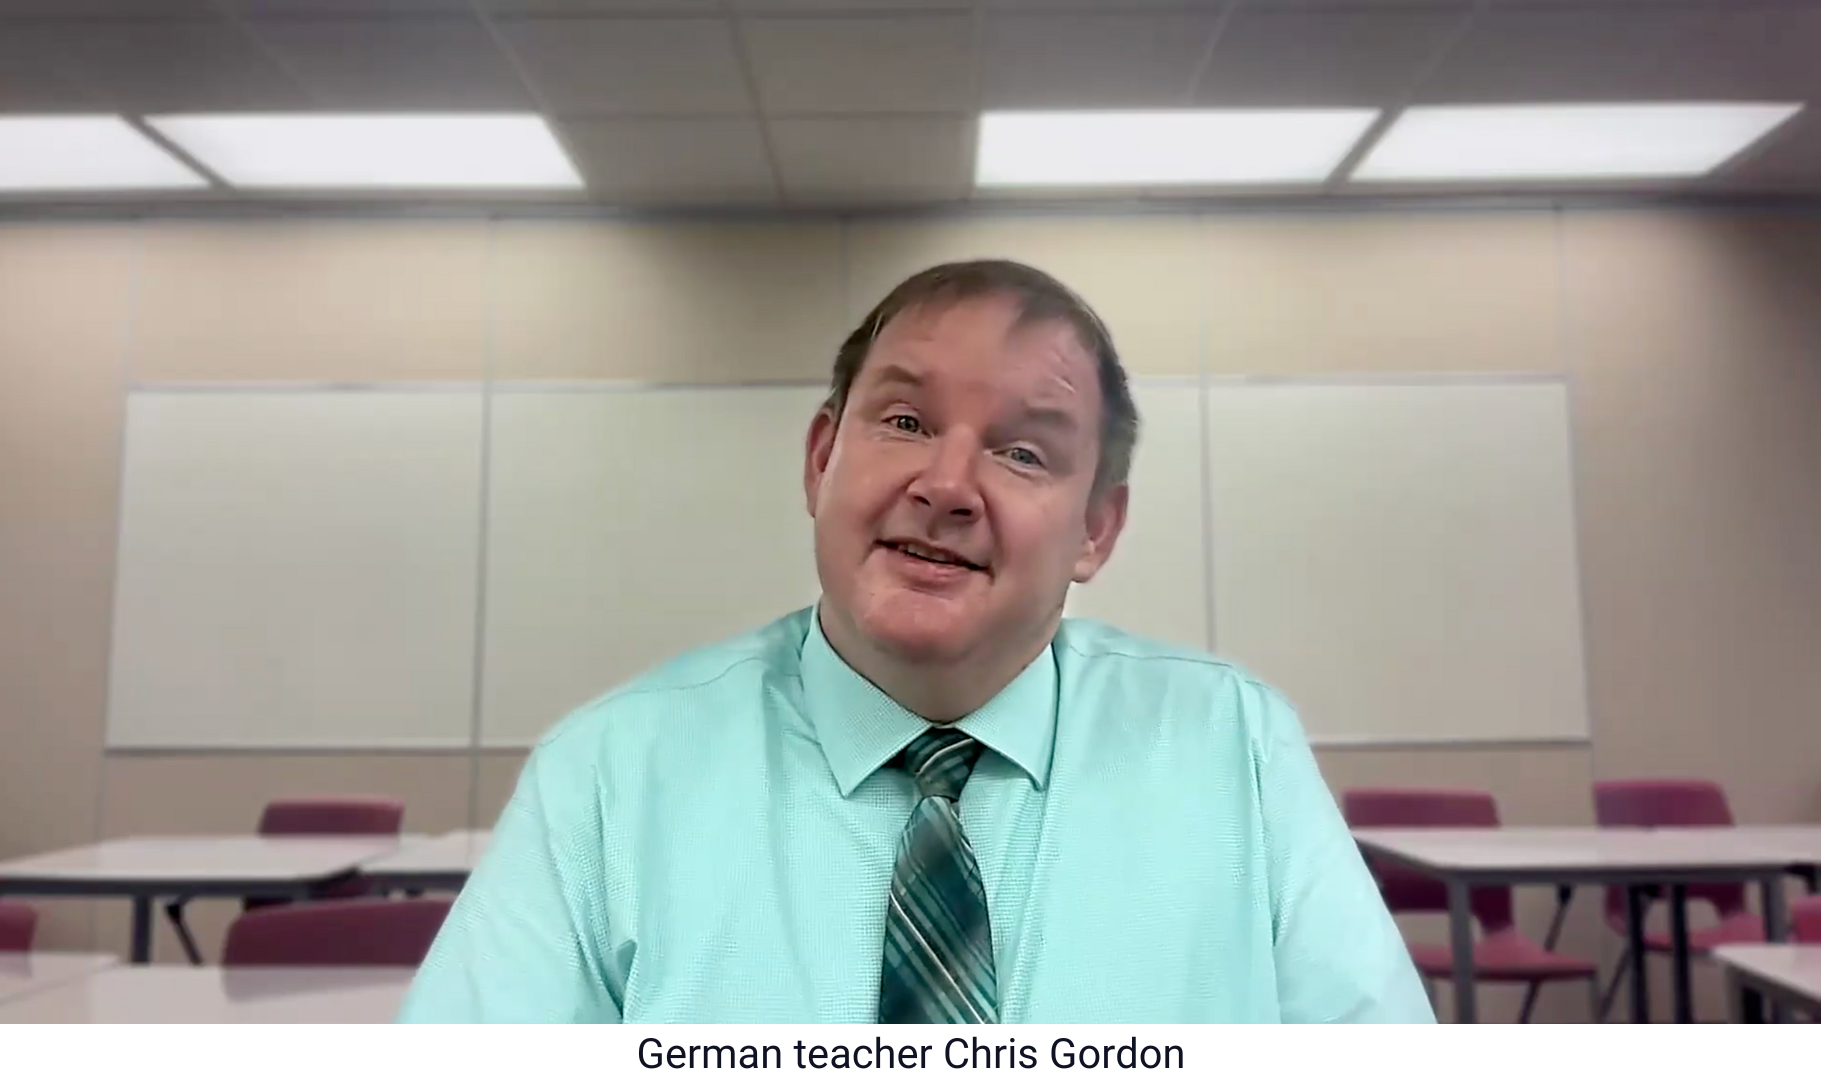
<point>1040,298</point>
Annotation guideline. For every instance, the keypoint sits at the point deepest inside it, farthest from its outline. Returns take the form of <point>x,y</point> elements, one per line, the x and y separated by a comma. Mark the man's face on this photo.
<point>954,497</point>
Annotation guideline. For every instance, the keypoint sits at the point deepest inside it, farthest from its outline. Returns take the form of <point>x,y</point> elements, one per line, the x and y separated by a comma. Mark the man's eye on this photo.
<point>1024,456</point>
<point>907,424</point>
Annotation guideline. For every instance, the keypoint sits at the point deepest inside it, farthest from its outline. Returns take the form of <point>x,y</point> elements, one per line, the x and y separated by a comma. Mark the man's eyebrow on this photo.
<point>1048,416</point>
<point>897,374</point>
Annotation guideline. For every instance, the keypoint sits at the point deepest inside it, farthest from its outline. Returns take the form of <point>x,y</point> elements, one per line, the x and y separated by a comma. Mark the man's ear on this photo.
<point>1106,520</point>
<point>818,448</point>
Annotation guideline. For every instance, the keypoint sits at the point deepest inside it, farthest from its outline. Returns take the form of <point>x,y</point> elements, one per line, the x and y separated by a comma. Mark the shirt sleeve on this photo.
<point>1340,957</point>
<point>522,941</point>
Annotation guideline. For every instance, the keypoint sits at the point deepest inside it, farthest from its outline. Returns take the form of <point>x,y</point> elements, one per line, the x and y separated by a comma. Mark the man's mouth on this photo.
<point>930,553</point>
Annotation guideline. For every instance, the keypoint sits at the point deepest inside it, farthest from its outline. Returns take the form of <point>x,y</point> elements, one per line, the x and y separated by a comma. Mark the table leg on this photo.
<point>1776,919</point>
<point>1678,937</point>
<point>1460,939</point>
<point>1634,936</point>
<point>142,929</point>
<point>1776,928</point>
<point>1747,1003</point>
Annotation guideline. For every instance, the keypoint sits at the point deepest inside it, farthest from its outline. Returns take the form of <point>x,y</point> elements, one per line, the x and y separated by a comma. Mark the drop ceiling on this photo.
<point>776,104</point>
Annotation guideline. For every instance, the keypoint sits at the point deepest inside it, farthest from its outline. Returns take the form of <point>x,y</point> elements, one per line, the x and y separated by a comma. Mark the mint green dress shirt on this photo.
<point>713,842</point>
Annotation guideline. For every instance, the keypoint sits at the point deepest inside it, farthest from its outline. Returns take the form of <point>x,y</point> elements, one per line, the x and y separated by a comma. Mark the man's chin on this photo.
<point>924,640</point>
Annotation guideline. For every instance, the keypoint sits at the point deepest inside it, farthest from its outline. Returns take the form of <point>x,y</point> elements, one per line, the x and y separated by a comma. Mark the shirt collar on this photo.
<point>861,729</point>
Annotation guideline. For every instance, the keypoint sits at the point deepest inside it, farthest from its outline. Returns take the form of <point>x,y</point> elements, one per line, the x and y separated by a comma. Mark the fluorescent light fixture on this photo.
<point>1167,148</point>
<point>375,150</point>
<point>85,153</point>
<point>1568,142</point>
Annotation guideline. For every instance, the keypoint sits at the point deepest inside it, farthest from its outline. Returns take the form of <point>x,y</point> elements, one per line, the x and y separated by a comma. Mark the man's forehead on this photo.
<point>981,336</point>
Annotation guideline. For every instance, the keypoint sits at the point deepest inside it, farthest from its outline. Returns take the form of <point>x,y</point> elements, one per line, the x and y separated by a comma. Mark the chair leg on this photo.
<point>174,912</point>
<point>1611,993</point>
<point>1564,896</point>
<point>1595,1000</point>
<point>1531,990</point>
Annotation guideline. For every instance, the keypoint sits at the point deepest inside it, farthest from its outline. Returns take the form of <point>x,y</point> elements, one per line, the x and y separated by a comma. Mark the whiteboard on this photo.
<point>1156,583</point>
<point>628,525</point>
<point>1400,559</point>
<point>297,569</point>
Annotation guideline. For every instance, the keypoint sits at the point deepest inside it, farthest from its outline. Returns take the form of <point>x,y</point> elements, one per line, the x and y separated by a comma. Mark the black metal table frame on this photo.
<point>1636,880</point>
<point>145,891</point>
<point>414,882</point>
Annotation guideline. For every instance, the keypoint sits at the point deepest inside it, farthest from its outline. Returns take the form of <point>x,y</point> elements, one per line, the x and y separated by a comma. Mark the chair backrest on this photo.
<point>332,816</point>
<point>17,925</point>
<point>1805,920</point>
<point>1660,804</point>
<point>1667,804</point>
<point>336,933</point>
<point>1420,808</point>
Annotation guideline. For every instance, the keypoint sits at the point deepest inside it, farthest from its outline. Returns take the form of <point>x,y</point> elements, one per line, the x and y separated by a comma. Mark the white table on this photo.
<point>1799,844</point>
<point>1634,859</point>
<point>146,868</point>
<point>442,863</point>
<point>180,994</point>
<point>1788,975</point>
<point>29,972</point>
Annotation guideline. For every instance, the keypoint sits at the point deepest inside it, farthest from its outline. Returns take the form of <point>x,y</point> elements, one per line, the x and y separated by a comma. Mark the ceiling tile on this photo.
<point>1113,5</point>
<point>863,65</point>
<point>428,63</point>
<point>873,160</point>
<point>846,7</point>
<point>267,8</point>
<point>33,76</point>
<point>672,162</point>
<point>654,66</point>
<point>1091,61</point>
<point>177,67</point>
<point>1639,53</point>
<point>90,9</point>
<point>1301,57</point>
<point>1789,159</point>
<point>600,7</point>
<point>1626,3</point>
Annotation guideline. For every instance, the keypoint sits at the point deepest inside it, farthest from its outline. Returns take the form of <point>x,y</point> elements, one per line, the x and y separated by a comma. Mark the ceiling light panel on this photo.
<point>375,151</point>
<point>1166,148</point>
<point>1568,142</point>
<point>85,153</point>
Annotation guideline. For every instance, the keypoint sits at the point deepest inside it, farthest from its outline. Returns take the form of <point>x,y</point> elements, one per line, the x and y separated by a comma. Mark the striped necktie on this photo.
<point>938,943</point>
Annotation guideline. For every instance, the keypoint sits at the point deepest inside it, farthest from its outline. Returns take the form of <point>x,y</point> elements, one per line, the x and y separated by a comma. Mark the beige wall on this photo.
<point>1691,339</point>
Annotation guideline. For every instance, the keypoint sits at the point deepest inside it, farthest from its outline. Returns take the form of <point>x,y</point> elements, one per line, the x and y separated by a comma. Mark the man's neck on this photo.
<point>939,693</point>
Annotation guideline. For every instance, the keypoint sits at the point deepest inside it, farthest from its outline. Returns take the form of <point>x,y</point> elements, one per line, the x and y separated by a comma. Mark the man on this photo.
<point>929,798</point>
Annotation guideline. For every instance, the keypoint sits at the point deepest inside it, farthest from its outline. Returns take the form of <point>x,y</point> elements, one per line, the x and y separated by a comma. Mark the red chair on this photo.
<point>336,933</point>
<point>1805,920</point>
<point>1669,804</point>
<point>331,817</point>
<point>1502,954</point>
<point>325,816</point>
<point>17,925</point>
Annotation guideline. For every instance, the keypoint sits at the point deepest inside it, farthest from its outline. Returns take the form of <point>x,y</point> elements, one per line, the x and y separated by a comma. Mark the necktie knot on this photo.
<point>940,760</point>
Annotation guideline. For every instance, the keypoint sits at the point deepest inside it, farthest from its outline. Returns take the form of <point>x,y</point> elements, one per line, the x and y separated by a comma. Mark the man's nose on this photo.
<point>948,484</point>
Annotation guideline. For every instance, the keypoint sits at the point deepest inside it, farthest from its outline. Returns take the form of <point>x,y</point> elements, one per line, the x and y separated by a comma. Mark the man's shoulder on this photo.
<point>1095,657</point>
<point>707,680</point>
<point>1091,645</point>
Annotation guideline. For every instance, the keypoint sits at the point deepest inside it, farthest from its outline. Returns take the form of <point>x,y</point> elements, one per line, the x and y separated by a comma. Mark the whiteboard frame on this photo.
<point>1203,381</point>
